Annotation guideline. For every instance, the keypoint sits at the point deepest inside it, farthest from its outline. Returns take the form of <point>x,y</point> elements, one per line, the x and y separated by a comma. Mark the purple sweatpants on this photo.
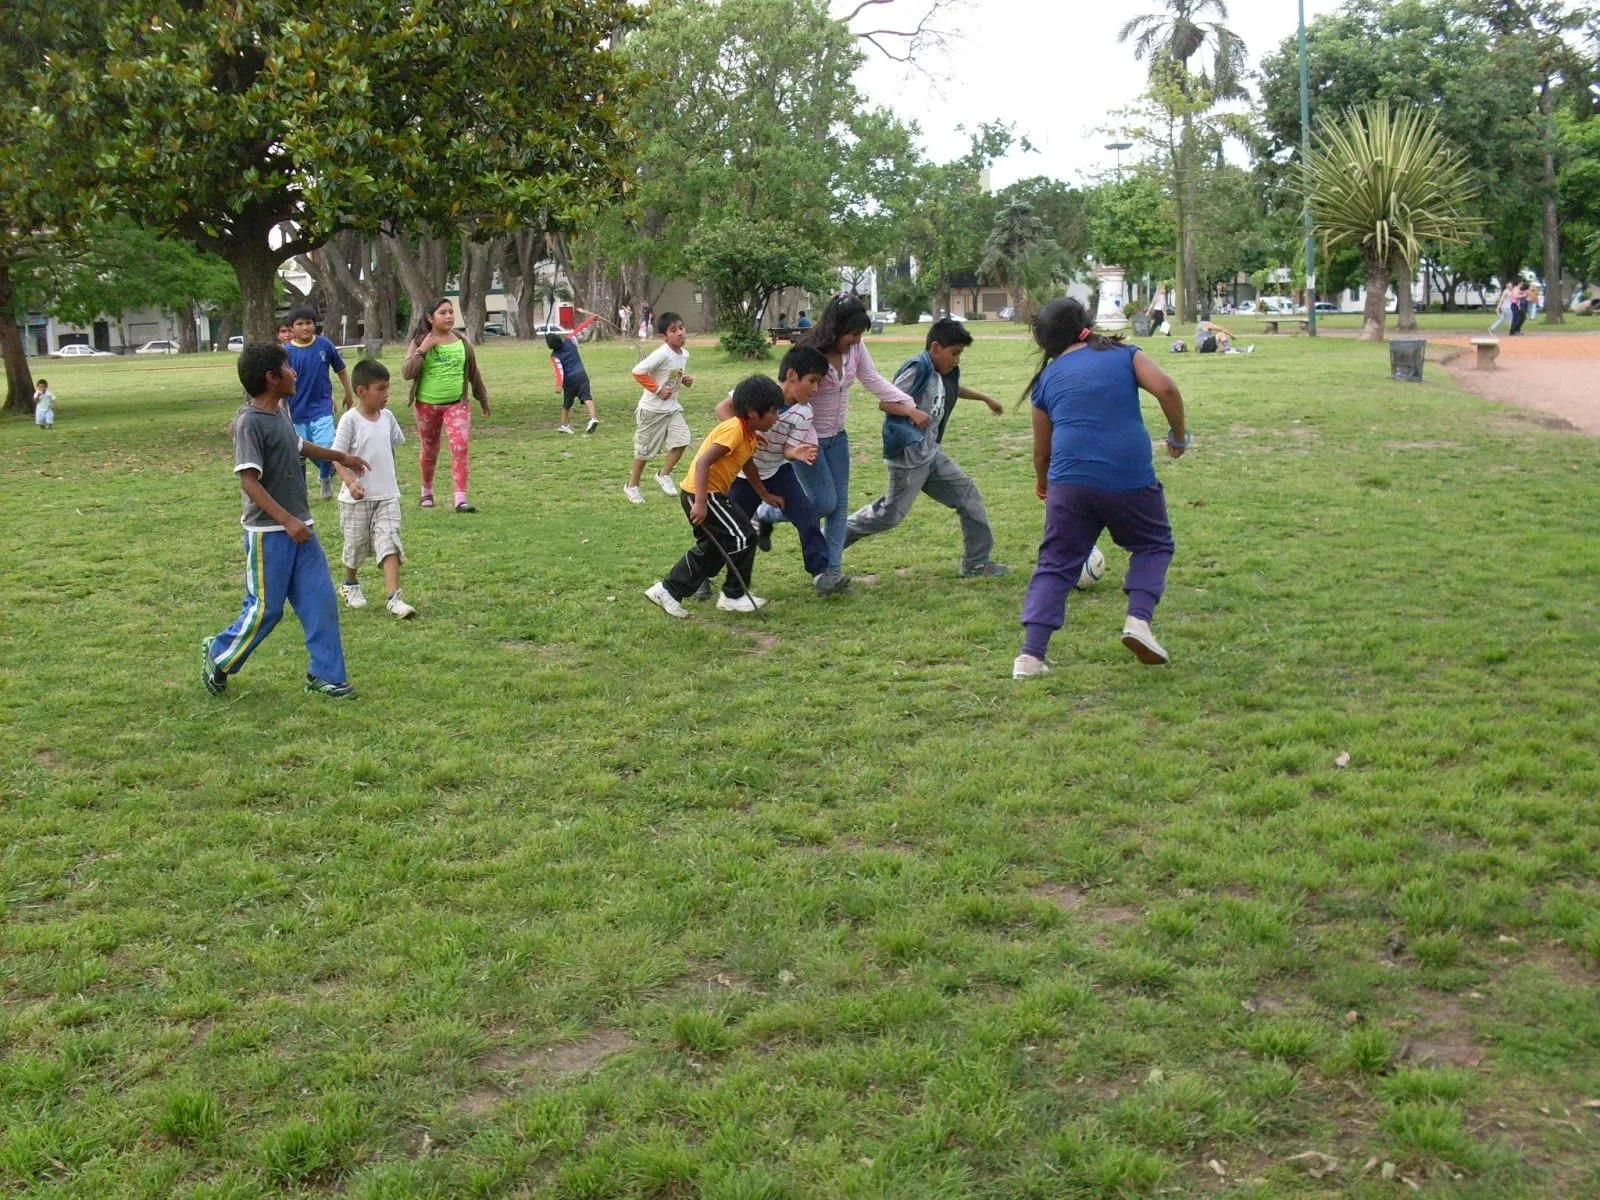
<point>1073,519</point>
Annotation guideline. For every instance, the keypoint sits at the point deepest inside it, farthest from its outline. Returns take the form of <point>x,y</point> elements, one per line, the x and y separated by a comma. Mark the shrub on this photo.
<point>744,341</point>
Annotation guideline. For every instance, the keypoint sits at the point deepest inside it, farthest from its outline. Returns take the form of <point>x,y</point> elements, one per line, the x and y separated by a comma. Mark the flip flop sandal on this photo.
<point>425,502</point>
<point>464,507</point>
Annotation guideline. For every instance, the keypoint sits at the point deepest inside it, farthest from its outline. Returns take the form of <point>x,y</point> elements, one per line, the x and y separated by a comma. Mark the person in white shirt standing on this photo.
<point>658,422</point>
<point>369,504</point>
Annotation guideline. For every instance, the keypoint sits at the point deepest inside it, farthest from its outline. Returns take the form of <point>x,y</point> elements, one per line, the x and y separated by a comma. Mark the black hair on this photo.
<point>842,315</point>
<point>284,322</point>
<point>425,321</point>
<point>1059,326</point>
<point>948,331</point>
<point>553,340</point>
<point>666,321</point>
<point>803,361</point>
<point>256,361</point>
<point>368,371</point>
<point>756,395</point>
<point>303,313</point>
<point>44,383</point>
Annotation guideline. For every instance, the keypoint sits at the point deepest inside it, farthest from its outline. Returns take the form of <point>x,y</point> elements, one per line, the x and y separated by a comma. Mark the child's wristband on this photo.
<point>1188,438</point>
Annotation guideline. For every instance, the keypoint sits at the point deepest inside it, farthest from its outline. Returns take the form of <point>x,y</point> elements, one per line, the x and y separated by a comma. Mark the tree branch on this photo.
<point>923,36</point>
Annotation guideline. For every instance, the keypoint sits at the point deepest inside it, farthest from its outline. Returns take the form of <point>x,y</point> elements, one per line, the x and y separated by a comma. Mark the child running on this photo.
<point>369,505</point>
<point>723,535</point>
<point>571,376</point>
<point>283,559</point>
<point>791,439</point>
<point>44,405</point>
<point>1093,470</point>
<point>313,356</point>
<point>442,369</point>
<point>916,461</point>
<point>659,423</point>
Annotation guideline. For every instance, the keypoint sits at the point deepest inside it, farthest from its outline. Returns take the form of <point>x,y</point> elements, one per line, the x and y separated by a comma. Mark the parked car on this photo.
<point>80,351</point>
<point>494,329</point>
<point>1328,306</point>
<point>1008,313</point>
<point>1281,305</point>
<point>161,347</point>
<point>236,342</point>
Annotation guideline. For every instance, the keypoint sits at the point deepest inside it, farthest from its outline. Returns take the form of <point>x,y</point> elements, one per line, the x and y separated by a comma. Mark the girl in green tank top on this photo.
<point>442,368</point>
<point>444,373</point>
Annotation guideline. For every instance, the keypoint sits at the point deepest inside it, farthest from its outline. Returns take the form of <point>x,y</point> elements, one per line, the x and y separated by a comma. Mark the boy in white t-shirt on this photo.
<point>658,422</point>
<point>369,504</point>
<point>44,405</point>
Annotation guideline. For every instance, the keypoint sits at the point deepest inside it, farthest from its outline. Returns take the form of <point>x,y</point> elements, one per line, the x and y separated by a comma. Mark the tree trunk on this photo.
<point>422,270</point>
<point>1377,300</point>
<point>1405,314</point>
<point>19,376</point>
<point>528,249</point>
<point>188,334</point>
<point>477,268</point>
<point>387,282</point>
<point>256,266</point>
<point>1554,302</point>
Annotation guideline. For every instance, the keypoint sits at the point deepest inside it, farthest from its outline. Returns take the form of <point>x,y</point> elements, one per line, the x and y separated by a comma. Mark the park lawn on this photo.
<point>577,901</point>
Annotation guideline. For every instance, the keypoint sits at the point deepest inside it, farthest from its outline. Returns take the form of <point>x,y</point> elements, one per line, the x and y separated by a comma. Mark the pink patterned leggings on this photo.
<point>456,422</point>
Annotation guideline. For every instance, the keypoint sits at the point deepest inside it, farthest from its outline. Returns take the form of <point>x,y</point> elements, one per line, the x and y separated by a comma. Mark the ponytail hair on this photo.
<point>425,320</point>
<point>842,315</point>
<point>1059,326</point>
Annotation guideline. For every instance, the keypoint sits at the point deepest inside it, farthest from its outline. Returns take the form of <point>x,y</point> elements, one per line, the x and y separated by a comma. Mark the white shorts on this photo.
<point>654,432</point>
<point>371,529</point>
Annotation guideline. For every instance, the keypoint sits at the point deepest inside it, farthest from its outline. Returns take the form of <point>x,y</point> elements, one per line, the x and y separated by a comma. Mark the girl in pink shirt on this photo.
<point>837,334</point>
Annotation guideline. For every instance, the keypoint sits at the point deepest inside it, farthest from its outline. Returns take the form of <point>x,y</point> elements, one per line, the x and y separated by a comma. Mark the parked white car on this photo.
<point>81,351</point>
<point>158,348</point>
<point>236,343</point>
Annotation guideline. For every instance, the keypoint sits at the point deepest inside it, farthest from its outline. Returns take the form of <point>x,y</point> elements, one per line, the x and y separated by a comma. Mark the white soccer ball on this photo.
<point>1094,569</point>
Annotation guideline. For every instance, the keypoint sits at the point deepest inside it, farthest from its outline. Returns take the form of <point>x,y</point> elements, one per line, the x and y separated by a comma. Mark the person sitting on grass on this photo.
<point>44,405</point>
<point>792,439</point>
<point>313,356</point>
<point>571,377</point>
<point>369,505</point>
<point>916,461</point>
<point>723,535</point>
<point>1211,338</point>
<point>282,558</point>
<point>658,421</point>
<point>1092,468</point>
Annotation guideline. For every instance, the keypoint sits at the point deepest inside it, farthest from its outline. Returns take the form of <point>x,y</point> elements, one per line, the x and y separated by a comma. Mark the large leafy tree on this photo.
<point>1384,180</point>
<point>1020,254</point>
<point>257,128</point>
<point>1131,224</point>
<point>1167,40</point>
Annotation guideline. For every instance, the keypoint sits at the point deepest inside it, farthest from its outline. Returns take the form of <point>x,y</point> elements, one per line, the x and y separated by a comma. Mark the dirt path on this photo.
<point>1557,374</point>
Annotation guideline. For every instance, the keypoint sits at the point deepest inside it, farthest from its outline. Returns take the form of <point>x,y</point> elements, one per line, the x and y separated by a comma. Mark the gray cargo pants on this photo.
<point>943,482</point>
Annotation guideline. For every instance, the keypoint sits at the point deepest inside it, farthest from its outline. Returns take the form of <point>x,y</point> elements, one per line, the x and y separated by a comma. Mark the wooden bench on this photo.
<point>1270,324</point>
<point>1488,351</point>
<point>783,333</point>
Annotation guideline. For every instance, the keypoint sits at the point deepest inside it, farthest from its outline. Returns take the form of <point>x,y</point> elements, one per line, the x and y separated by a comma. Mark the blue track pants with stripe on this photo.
<point>275,570</point>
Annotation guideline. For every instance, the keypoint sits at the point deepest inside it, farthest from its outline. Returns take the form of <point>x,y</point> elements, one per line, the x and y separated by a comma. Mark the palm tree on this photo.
<point>1384,180</point>
<point>1167,40</point>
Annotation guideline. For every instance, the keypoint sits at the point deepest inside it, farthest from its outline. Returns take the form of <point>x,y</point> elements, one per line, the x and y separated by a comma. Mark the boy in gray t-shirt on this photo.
<point>283,559</point>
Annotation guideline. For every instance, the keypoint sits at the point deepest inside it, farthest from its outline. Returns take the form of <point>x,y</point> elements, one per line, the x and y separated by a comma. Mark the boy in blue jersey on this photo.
<point>312,356</point>
<point>571,376</point>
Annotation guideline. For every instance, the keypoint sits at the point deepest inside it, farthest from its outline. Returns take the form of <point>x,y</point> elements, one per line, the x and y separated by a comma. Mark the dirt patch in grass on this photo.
<point>1115,914</point>
<point>1443,1036</point>
<point>1557,377</point>
<point>543,1064</point>
<point>1068,899</point>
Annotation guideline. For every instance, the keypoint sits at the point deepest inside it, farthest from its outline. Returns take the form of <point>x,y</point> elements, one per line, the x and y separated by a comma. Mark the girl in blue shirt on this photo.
<point>1093,470</point>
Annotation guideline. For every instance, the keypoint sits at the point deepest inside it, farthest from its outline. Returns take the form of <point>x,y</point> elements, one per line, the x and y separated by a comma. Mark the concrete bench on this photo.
<point>1270,324</point>
<point>1488,351</point>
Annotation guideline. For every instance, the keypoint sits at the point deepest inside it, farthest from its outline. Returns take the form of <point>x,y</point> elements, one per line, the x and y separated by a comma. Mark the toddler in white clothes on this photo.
<point>369,504</point>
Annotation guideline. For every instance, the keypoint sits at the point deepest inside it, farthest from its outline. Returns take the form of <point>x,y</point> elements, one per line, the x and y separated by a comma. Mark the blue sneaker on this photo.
<point>334,691</point>
<point>213,676</point>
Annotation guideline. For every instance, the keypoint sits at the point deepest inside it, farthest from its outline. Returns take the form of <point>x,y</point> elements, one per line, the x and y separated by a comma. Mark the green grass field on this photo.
<point>577,901</point>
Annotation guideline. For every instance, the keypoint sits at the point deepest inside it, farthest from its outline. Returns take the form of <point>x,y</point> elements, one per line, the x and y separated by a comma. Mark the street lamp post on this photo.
<point>1113,279</point>
<point>1305,153</point>
<point>1119,147</point>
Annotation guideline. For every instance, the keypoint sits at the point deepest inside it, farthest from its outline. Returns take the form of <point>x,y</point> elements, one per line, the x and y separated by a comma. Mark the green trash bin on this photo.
<point>1405,359</point>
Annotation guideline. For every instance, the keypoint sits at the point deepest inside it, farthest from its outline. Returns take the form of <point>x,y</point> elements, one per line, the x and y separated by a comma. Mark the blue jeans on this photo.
<point>828,482</point>
<point>318,431</point>
<point>278,570</point>
<point>797,509</point>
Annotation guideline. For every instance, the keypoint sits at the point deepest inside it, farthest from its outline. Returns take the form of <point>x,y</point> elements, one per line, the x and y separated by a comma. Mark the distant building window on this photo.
<point>1355,292</point>
<point>994,301</point>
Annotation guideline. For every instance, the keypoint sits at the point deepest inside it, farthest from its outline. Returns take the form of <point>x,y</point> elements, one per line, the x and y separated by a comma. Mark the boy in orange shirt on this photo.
<point>723,456</point>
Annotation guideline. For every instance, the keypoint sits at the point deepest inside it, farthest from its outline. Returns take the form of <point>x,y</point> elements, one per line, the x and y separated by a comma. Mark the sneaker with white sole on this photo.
<point>657,594</point>
<point>634,495</point>
<point>594,423</point>
<point>1027,666</point>
<point>1136,636</point>
<point>744,603</point>
<point>353,595</point>
<point>664,482</point>
<point>988,568</point>
<point>831,582</point>
<point>400,608</point>
<point>564,429</point>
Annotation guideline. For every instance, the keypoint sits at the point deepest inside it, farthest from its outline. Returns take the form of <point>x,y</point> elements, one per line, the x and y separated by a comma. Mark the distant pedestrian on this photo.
<point>44,405</point>
<point>804,322</point>
<point>1502,309</point>
<point>1519,307</point>
<point>443,369</point>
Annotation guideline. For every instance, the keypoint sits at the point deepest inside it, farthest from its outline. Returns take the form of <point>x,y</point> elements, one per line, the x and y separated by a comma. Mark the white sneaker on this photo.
<point>666,484</point>
<point>563,428</point>
<point>1136,636</point>
<point>633,494</point>
<point>745,603</point>
<point>657,593</point>
<point>594,423</point>
<point>1028,667</point>
<point>399,607</point>
<point>353,595</point>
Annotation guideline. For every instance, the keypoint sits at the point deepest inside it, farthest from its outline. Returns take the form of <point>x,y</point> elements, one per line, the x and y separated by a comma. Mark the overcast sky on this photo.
<point>1052,68</point>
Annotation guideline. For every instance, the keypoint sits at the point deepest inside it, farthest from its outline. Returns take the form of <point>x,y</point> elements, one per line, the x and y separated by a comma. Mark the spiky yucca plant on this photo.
<point>1383,179</point>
